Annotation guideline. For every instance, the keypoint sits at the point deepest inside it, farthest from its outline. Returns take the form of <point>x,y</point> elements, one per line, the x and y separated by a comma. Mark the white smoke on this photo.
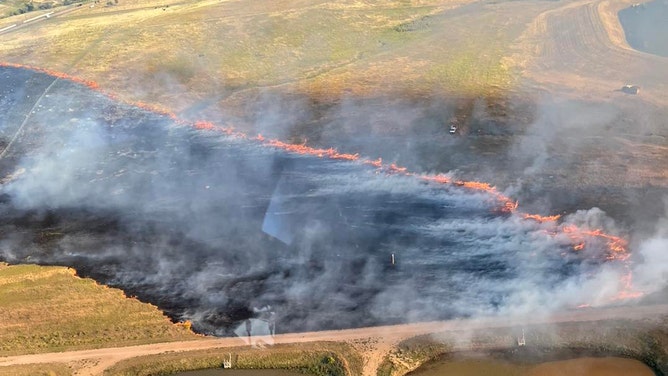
<point>177,215</point>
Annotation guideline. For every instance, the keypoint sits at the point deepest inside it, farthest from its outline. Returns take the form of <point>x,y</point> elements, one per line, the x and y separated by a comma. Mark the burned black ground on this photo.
<point>215,229</point>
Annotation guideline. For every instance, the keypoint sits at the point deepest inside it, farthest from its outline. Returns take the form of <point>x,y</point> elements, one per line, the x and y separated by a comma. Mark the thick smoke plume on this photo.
<point>215,228</point>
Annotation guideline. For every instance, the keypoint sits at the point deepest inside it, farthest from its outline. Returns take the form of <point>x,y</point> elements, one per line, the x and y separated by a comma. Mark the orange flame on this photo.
<point>302,149</point>
<point>394,169</point>
<point>628,292</point>
<point>440,179</point>
<point>540,218</point>
<point>90,84</point>
<point>378,163</point>
<point>616,246</point>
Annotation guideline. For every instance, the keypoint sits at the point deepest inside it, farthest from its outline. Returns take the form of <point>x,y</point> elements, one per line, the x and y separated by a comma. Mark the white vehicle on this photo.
<point>453,129</point>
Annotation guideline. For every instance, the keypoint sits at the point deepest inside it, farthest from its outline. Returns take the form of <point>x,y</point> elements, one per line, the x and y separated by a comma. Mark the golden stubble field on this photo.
<point>182,53</point>
<point>46,309</point>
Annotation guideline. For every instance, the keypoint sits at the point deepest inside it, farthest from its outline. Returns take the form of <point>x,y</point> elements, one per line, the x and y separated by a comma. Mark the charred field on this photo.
<point>218,228</point>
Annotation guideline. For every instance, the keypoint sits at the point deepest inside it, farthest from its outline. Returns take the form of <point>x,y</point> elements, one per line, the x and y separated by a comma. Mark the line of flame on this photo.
<point>617,247</point>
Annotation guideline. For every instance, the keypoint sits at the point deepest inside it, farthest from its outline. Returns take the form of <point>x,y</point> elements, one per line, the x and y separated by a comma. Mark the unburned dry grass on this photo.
<point>177,53</point>
<point>45,369</point>
<point>47,309</point>
<point>320,359</point>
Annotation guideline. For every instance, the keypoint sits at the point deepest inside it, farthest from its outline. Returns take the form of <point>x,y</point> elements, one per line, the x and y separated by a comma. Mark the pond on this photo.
<point>645,26</point>
<point>608,366</point>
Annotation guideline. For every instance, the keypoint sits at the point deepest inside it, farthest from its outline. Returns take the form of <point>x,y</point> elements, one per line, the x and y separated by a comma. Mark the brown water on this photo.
<point>592,367</point>
<point>240,372</point>
<point>572,367</point>
<point>471,367</point>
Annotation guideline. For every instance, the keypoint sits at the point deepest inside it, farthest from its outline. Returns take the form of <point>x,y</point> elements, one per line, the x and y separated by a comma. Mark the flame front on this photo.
<point>616,246</point>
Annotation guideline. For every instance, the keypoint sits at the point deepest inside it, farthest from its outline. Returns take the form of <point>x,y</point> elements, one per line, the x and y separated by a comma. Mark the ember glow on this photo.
<point>617,246</point>
<point>432,214</point>
<point>64,76</point>
<point>540,218</point>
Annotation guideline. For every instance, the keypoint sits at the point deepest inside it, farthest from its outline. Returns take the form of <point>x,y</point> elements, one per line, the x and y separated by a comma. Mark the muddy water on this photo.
<point>592,367</point>
<point>471,367</point>
<point>572,367</point>
<point>240,372</point>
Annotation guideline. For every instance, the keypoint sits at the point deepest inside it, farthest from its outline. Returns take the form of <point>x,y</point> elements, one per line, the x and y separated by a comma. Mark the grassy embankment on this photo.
<point>410,354</point>
<point>642,340</point>
<point>45,369</point>
<point>320,359</point>
<point>47,309</point>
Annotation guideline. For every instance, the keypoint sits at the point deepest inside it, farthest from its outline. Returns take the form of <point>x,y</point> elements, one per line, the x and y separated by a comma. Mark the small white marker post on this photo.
<point>227,363</point>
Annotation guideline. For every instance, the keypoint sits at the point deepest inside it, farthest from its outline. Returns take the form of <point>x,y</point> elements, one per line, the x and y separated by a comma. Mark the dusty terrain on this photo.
<point>579,49</point>
<point>383,338</point>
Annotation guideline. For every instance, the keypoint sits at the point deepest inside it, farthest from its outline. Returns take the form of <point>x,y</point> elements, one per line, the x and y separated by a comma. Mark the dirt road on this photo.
<point>93,362</point>
<point>580,49</point>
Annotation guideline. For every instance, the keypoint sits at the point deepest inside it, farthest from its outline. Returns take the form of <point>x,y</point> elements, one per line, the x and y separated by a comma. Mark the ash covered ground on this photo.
<point>213,228</point>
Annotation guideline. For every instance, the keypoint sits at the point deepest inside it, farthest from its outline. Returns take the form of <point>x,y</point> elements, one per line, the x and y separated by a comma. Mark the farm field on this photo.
<point>48,308</point>
<point>533,88</point>
<point>580,49</point>
<point>363,78</point>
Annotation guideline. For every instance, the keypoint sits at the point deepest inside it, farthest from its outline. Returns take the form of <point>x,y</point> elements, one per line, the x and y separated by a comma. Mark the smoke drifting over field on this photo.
<point>210,227</point>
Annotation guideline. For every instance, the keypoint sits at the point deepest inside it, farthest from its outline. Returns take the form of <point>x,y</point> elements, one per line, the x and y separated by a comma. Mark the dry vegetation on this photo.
<point>408,355</point>
<point>177,54</point>
<point>213,55</point>
<point>321,358</point>
<point>47,369</point>
<point>46,309</point>
<point>579,49</point>
<point>646,341</point>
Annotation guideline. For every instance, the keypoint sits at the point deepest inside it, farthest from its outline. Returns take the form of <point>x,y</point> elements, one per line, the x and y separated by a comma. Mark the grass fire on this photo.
<point>333,188</point>
<point>285,219</point>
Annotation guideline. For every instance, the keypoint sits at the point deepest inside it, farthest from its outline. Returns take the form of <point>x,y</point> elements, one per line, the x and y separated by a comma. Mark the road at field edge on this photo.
<point>94,362</point>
